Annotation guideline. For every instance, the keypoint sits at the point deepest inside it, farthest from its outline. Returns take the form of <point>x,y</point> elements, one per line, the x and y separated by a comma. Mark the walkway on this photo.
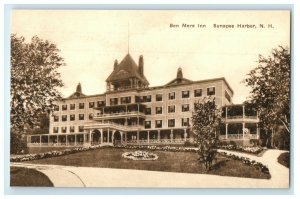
<point>69,176</point>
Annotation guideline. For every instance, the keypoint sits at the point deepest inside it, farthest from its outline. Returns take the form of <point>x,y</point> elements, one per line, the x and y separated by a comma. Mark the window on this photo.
<point>64,129</point>
<point>138,99</point>
<point>55,129</point>
<point>56,118</point>
<point>72,117</point>
<point>159,97</point>
<point>227,96</point>
<point>100,103</point>
<point>125,100</point>
<point>158,123</point>
<point>81,105</point>
<point>171,123</point>
<point>148,111</point>
<point>158,110</point>
<point>64,107</point>
<point>56,108</point>
<point>172,96</point>
<point>171,109</point>
<point>211,91</point>
<point>185,94</point>
<point>80,129</point>
<point>72,129</point>
<point>72,106</point>
<point>113,101</point>
<point>81,116</point>
<point>185,107</point>
<point>198,93</point>
<point>147,98</point>
<point>91,115</point>
<point>185,122</point>
<point>91,104</point>
<point>147,124</point>
<point>64,118</point>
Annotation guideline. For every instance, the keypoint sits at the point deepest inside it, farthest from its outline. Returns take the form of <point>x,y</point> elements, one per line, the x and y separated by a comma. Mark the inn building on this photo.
<point>132,113</point>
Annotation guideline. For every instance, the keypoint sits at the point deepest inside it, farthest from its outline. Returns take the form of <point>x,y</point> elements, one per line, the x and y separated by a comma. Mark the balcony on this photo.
<point>238,136</point>
<point>118,115</point>
<point>114,125</point>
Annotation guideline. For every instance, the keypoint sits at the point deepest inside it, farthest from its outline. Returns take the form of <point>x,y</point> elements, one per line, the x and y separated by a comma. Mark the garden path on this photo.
<point>69,176</point>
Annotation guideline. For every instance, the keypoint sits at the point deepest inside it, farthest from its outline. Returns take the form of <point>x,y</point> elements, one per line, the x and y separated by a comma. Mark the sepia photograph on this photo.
<point>150,98</point>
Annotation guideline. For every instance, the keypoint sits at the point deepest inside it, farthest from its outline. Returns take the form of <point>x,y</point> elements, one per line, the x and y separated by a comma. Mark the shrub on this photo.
<point>284,159</point>
<point>18,144</point>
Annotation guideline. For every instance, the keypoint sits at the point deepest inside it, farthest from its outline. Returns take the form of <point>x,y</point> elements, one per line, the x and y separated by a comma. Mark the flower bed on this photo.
<point>253,150</point>
<point>161,148</point>
<point>248,161</point>
<point>140,155</point>
<point>50,154</point>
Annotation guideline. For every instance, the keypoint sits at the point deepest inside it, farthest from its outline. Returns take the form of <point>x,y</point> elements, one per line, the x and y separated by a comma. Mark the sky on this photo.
<point>90,41</point>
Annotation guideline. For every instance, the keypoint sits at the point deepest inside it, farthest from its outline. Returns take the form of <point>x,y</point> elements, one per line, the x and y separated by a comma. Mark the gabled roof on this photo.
<point>177,81</point>
<point>126,69</point>
<point>78,93</point>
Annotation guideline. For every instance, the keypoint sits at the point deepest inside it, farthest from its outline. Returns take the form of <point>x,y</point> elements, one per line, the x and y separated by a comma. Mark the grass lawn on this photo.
<point>185,162</point>
<point>284,159</point>
<point>28,177</point>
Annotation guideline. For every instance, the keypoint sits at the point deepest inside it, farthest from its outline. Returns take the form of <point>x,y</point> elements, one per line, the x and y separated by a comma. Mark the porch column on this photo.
<point>101,131</point>
<point>226,112</point>
<point>75,140</point>
<point>243,129</point>
<point>121,137</point>
<point>158,135</point>
<point>91,137</point>
<point>40,140</point>
<point>243,113</point>
<point>67,140</point>
<point>107,135</point>
<point>226,131</point>
<point>112,136</point>
<point>137,137</point>
<point>171,135</point>
<point>185,134</point>
<point>125,137</point>
<point>257,131</point>
<point>57,140</point>
<point>148,138</point>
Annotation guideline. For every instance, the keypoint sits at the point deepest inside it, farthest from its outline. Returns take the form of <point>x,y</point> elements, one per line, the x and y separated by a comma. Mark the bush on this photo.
<point>188,143</point>
<point>255,142</point>
<point>18,144</point>
<point>284,159</point>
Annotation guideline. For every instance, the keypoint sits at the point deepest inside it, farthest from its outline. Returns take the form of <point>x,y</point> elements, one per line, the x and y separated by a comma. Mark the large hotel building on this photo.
<point>132,113</point>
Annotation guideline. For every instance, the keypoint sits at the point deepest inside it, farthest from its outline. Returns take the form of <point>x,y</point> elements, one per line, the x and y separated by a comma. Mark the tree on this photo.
<point>34,80</point>
<point>206,123</point>
<point>270,89</point>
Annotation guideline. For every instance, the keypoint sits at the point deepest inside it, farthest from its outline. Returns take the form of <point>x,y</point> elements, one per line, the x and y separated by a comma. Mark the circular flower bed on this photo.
<point>140,155</point>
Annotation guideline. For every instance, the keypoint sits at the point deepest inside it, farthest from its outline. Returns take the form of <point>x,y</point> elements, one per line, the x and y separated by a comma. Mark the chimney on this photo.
<point>141,65</point>
<point>115,64</point>
<point>78,89</point>
<point>179,73</point>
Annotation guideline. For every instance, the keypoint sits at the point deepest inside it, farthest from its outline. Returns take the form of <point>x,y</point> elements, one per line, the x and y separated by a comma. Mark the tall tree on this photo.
<point>206,123</point>
<point>270,84</point>
<point>34,80</point>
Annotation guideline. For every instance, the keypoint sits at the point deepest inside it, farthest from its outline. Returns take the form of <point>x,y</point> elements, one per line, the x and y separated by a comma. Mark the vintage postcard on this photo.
<point>150,98</point>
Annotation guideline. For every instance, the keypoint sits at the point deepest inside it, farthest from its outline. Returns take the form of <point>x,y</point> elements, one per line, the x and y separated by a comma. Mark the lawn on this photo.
<point>284,159</point>
<point>185,162</point>
<point>28,177</point>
